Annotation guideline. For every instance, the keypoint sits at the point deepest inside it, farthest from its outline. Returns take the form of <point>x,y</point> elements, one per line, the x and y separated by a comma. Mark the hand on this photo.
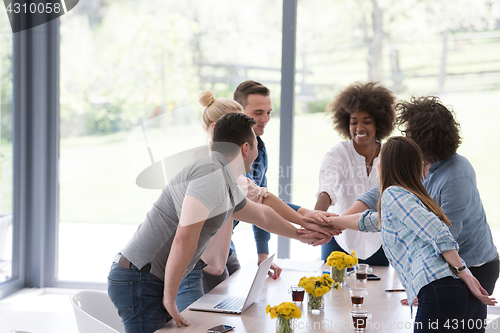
<point>313,238</point>
<point>334,221</point>
<point>305,233</point>
<point>405,301</point>
<point>328,231</point>
<point>476,288</point>
<point>275,268</point>
<point>331,220</point>
<point>172,310</point>
<point>318,217</point>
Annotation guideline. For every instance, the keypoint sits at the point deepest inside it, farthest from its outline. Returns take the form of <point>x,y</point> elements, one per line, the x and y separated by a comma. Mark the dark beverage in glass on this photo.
<point>359,322</point>
<point>362,271</point>
<point>357,300</point>
<point>361,276</point>
<point>359,318</point>
<point>298,295</point>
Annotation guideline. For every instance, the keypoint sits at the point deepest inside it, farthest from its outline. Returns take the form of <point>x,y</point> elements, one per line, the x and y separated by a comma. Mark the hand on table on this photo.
<point>172,310</point>
<point>276,270</point>
<point>405,302</point>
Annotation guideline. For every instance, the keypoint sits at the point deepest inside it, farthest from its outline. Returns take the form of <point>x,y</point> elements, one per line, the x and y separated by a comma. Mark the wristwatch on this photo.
<point>456,270</point>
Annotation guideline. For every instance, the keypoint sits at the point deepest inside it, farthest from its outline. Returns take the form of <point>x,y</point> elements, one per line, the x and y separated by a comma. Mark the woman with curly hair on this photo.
<point>364,114</point>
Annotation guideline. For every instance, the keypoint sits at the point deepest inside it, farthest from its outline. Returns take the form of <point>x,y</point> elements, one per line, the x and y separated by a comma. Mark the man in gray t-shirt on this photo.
<point>196,203</point>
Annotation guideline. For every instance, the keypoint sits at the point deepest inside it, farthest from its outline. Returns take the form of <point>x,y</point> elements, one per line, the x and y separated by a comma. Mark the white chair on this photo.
<point>95,313</point>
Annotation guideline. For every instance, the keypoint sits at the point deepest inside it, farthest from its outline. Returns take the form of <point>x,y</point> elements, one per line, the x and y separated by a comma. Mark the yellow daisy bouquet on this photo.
<point>285,312</point>
<point>341,260</point>
<point>316,287</point>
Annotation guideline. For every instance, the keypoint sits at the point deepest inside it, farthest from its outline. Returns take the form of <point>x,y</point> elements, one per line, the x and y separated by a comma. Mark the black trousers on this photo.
<point>487,274</point>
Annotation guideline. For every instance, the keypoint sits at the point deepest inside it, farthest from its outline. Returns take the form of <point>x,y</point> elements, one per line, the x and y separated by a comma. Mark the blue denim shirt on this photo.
<point>258,175</point>
<point>452,184</point>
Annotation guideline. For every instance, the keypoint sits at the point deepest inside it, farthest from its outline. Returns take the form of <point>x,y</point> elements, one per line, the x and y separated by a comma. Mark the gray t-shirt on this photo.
<point>208,180</point>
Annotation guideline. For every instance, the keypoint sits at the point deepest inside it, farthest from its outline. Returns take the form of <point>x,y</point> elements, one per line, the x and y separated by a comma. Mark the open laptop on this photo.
<point>232,304</point>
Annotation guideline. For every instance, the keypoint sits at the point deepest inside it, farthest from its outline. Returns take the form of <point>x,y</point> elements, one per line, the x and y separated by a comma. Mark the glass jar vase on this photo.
<point>284,325</point>
<point>339,275</point>
<point>315,304</point>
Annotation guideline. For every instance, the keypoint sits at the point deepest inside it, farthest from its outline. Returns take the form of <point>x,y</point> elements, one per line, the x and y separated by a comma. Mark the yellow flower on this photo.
<point>341,260</point>
<point>318,285</point>
<point>286,310</point>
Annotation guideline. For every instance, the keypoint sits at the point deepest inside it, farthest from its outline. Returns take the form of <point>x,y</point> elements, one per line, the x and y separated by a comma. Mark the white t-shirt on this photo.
<point>343,176</point>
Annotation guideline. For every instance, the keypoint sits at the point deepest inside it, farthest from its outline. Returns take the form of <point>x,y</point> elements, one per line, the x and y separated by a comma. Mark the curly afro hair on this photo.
<point>370,97</point>
<point>431,125</point>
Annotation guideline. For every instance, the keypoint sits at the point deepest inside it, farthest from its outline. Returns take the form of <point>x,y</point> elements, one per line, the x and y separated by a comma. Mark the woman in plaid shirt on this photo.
<point>420,247</point>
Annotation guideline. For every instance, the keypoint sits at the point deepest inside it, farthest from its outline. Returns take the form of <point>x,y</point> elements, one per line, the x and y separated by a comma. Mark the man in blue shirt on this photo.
<point>256,101</point>
<point>450,180</point>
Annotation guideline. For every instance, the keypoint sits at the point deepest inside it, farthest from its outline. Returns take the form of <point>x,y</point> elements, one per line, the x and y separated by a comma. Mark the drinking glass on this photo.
<point>358,296</point>
<point>359,319</point>
<point>362,271</point>
<point>297,293</point>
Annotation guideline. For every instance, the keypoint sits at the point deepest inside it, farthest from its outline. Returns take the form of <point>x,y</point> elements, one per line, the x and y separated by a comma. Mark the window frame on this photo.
<point>35,107</point>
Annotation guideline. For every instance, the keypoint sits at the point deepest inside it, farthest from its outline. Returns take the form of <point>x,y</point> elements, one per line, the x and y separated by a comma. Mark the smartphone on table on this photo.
<point>220,329</point>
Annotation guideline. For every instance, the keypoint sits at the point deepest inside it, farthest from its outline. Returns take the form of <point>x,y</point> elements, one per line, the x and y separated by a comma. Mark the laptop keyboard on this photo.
<point>230,303</point>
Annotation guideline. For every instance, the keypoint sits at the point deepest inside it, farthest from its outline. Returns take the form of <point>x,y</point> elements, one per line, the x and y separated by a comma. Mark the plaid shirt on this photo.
<point>413,239</point>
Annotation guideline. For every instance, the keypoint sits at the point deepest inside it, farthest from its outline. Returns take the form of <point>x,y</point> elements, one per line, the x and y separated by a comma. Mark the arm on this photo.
<point>323,202</point>
<point>369,199</point>
<point>346,221</point>
<point>472,283</point>
<point>357,207</point>
<point>342,222</point>
<point>331,175</point>
<point>192,219</point>
<point>367,221</point>
<point>289,214</point>
<point>266,218</point>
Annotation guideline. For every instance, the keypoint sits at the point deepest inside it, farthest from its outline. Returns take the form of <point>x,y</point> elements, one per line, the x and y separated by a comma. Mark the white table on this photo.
<point>388,315</point>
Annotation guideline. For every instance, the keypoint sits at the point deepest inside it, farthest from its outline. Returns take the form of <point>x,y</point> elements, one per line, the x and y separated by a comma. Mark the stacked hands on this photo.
<point>317,228</point>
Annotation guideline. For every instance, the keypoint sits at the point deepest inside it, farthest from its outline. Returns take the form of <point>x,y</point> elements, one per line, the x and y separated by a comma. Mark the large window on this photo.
<point>144,63</point>
<point>6,150</point>
<point>130,73</point>
<point>422,52</point>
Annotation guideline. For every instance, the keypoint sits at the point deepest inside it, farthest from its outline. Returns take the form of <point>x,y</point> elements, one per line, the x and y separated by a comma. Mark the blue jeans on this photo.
<point>447,305</point>
<point>138,298</point>
<point>191,287</point>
